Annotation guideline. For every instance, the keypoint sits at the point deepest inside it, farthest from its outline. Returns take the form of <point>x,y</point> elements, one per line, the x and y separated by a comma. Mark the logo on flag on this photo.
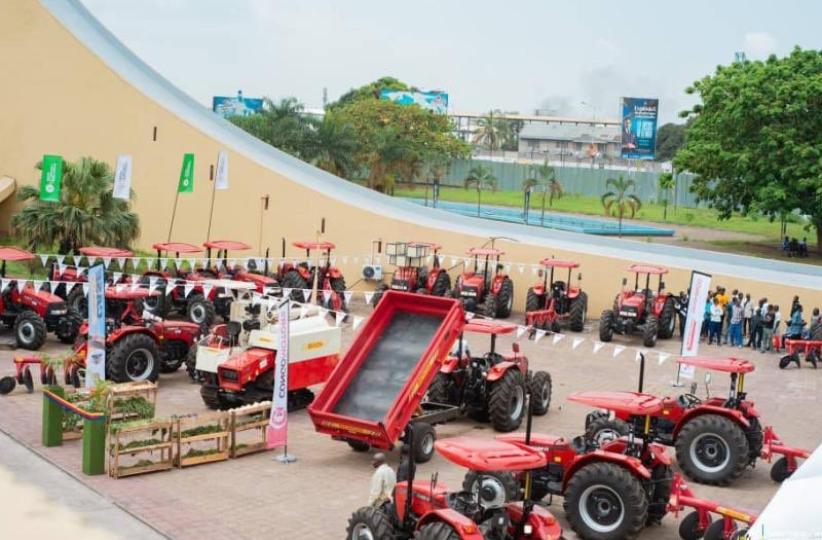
<point>186,184</point>
<point>51,178</point>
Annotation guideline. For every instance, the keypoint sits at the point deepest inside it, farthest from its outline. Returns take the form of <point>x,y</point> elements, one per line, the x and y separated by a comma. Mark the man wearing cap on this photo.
<point>382,481</point>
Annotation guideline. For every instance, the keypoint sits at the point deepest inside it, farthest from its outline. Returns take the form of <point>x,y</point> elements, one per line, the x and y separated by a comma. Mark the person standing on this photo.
<point>747,315</point>
<point>382,481</point>
<point>715,328</point>
<point>767,330</point>
<point>736,323</point>
<point>794,330</point>
<point>681,304</point>
<point>777,327</point>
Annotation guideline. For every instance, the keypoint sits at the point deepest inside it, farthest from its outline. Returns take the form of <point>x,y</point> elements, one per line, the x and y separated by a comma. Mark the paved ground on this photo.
<point>257,497</point>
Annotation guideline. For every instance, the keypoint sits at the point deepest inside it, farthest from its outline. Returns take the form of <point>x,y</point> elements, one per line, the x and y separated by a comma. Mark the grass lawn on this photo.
<point>580,204</point>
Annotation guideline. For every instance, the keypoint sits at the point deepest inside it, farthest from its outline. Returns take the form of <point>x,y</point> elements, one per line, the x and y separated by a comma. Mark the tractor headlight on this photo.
<point>527,529</point>
<point>58,311</point>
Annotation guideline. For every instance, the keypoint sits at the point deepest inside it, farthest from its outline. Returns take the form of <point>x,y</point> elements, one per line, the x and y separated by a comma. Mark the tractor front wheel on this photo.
<point>712,449</point>
<point>76,300</point>
<point>650,331</point>
<point>69,327</point>
<point>540,393</point>
<point>493,488</point>
<point>505,298</point>
<point>29,331</point>
<point>134,357</point>
<point>533,301</point>
<point>439,530</point>
<point>604,429</point>
<point>578,313</point>
<point>369,523</point>
<point>489,308</point>
<point>442,284</point>
<point>606,326</point>
<point>506,403</point>
<point>297,283</point>
<point>200,311</point>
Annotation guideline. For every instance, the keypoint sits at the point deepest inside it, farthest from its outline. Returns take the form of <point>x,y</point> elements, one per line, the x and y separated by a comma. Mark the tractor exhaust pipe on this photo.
<point>641,372</point>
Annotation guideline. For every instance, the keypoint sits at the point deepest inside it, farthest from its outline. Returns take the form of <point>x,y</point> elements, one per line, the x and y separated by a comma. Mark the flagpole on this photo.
<point>211,210</point>
<point>173,215</point>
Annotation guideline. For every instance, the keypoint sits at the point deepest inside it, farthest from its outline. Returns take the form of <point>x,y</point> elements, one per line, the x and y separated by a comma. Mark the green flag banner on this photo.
<point>187,175</point>
<point>51,178</point>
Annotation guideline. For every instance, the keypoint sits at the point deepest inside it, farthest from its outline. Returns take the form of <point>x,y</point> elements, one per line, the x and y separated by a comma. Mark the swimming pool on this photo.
<point>552,220</point>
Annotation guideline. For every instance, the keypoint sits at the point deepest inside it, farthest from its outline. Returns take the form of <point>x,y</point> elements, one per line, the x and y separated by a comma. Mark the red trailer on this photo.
<point>377,388</point>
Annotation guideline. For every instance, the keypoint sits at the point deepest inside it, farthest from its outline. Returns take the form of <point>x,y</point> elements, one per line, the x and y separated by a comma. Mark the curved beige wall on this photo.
<point>59,97</point>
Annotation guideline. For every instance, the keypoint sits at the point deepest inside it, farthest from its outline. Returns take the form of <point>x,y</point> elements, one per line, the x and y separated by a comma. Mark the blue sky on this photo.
<point>517,55</point>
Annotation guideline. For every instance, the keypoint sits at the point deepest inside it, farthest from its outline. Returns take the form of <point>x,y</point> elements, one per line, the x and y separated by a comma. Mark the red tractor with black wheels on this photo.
<point>33,313</point>
<point>75,296</point>
<point>426,510</point>
<point>329,279</point>
<point>716,440</point>
<point>411,274</point>
<point>551,304</point>
<point>653,314</point>
<point>248,274</point>
<point>486,289</point>
<point>491,387</point>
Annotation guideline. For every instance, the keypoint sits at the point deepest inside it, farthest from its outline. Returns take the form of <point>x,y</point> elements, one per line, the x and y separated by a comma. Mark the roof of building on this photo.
<point>570,132</point>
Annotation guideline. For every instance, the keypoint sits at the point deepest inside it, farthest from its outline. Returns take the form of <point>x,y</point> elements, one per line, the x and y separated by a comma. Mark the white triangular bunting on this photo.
<point>69,286</point>
<point>521,330</point>
<point>61,268</point>
<point>663,357</point>
<point>306,295</point>
<point>339,317</point>
<point>60,259</point>
<point>534,270</point>
<point>617,351</point>
<point>638,353</point>
<point>539,335</point>
<point>106,261</point>
<point>121,262</point>
<point>598,345</point>
<point>344,259</point>
<point>85,289</point>
<point>368,297</point>
<point>191,263</point>
<point>521,268</point>
<point>164,263</point>
<point>557,338</point>
<point>44,259</point>
<point>576,343</point>
<point>286,292</point>
<point>357,322</point>
<point>347,295</point>
<point>21,284</point>
<point>207,289</point>
<point>469,315</point>
<point>188,288</point>
<point>116,276</point>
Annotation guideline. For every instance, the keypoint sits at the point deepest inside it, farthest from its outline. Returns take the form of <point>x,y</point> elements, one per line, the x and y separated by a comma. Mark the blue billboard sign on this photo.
<point>432,101</point>
<point>639,116</point>
<point>227,106</point>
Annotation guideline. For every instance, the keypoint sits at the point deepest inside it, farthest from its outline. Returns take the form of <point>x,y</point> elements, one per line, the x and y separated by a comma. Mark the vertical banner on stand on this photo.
<point>122,178</point>
<point>697,296</point>
<point>277,432</point>
<point>221,176</point>
<point>96,352</point>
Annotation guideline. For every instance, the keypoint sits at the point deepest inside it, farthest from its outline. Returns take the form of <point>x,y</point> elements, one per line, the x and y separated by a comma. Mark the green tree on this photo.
<point>283,125</point>
<point>480,177</point>
<point>87,213</point>
<point>618,201</point>
<point>666,184</point>
<point>371,91</point>
<point>332,146</point>
<point>489,133</point>
<point>754,142</point>
<point>669,139</point>
<point>546,177</point>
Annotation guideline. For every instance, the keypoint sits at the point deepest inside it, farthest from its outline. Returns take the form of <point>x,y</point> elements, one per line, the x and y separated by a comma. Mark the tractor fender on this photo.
<point>631,464</point>
<point>496,283</point>
<point>748,409</point>
<point>660,454</point>
<point>465,527</point>
<point>499,370</point>
<point>183,330</point>
<point>449,365</point>
<point>539,289</point>
<point>334,272</point>
<point>573,292</point>
<point>733,414</point>
<point>659,303</point>
<point>123,331</point>
<point>433,274</point>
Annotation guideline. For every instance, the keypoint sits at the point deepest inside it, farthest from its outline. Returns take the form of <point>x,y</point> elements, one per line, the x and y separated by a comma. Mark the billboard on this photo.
<point>639,127</point>
<point>227,106</point>
<point>432,101</point>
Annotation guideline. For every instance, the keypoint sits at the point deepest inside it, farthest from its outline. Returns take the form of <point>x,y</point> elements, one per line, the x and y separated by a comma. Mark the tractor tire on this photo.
<point>442,389</point>
<point>659,493</point>
<point>370,522</point>
<point>357,445</point>
<point>77,301</point>
<point>157,304</point>
<point>650,332</point>
<point>689,528</point>
<point>603,501</point>
<point>540,393</point>
<point>712,449</point>
<point>578,312</point>
<point>424,439</point>
<point>489,308</point>
<point>29,330</point>
<point>667,319</point>
<point>605,429</point>
<point>210,393</point>
<point>779,471</point>
<point>68,333</point>
<point>506,402</point>
<point>606,326</point>
<point>200,310</point>
<point>438,530</point>
<point>715,531</point>
<point>338,286</point>
<point>170,365</point>
<point>134,357</point>
<point>533,301</point>
<point>296,282</point>
<point>442,284</point>
<point>493,488</point>
<point>505,298</point>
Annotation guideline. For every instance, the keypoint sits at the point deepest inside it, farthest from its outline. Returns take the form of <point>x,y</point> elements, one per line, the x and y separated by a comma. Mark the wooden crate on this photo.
<point>201,438</point>
<point>248,428</point>
<point>124,460</point>
<point>120,393</point>
<point>82,399</point>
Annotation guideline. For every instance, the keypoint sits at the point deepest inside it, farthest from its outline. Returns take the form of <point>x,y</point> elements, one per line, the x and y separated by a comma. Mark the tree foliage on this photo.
<point>754,141</point>
<point>669,139</point>
<point>371,91</point>
<point>86,215</point>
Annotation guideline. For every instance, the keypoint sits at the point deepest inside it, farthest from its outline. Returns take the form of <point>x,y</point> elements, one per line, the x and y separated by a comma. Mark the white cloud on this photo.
<point>759,45</point>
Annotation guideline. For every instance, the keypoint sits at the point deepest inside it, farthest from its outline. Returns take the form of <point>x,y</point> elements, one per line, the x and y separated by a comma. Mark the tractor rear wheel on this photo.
<point>606,326</point>
<point>200,310</point>
<point>578,312</point>
<point>29,331</point>
<point>338,286</point>
<point>439,530</point>
<point>604,501</point>
<point>604,429</point>
<point>712,449</point>
<point>134,357</point>
<point>650,331</point>
<point>493,488</point>
<point>540,393</point>
<point>369,523</point>
<point>489,308</point>
<point>157,304</point>
<point>505,298</point>
<point>424,439</point>
<point>442,284</point>
<point>533,301</point>
<point>667,319</point>
<point>441,389</point>
<point>689,528</point>
<point>659,493</point>
<point>76,300</point>
<point>506,403</point>
<point>296,282</point>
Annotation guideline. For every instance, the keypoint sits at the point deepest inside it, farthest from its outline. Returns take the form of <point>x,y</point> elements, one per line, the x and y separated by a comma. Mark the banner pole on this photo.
<point>173,215</point>
<point>210,210</point>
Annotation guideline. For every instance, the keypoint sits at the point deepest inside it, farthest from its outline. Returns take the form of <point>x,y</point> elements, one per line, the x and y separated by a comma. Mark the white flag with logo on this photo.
<point>221,175</point>
<point>277,432</point>
<point>122,178</point>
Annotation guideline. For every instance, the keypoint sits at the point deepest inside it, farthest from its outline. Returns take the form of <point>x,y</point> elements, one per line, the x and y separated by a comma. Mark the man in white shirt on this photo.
<point>382,481</point>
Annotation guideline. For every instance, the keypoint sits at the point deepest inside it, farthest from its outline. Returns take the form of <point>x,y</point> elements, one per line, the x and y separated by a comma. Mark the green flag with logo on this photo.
<point>187,175</point>
<point>51,178</point>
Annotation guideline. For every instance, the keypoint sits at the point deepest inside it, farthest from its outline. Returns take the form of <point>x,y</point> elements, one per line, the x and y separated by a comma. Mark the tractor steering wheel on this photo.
<point>688,400</point>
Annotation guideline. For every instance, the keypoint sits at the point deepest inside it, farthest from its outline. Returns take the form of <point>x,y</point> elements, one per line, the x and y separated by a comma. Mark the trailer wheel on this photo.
<point>712,449</point>
<point>505,298</point>
<point>7,384</point>
<point>493,488</point>
<point>439,530</point>
<point>424,439</point>
<point>369,523</point>
<point>506,404</point>
<point>200,310</point>
<point>716,530</point>
<point>578,312</point>
<point>779,471</point>
<point>650,331</point>
<point>606,326</point>
<point>667,319</point>
<point>689,528</point>
<point>29,330</point>
<point>134,357</point>
<point>357,445</point>
<point>604,429</point>
<point>540,393</point>
<point>604,501</point>
<point>442,284</point>
<point>441,389</point>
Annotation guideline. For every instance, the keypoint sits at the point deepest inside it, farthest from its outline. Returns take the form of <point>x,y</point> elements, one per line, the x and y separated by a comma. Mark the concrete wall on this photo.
<point>60,96</point>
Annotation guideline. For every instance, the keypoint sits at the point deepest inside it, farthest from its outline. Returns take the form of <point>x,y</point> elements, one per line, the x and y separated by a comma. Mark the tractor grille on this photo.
<point>229,375</point>
<point>470,292</point>
<point>627,311</point>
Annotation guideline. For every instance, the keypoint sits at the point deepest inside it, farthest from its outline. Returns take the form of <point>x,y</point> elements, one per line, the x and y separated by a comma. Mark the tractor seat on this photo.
<point>581,445</point>
<point>558,286</point>
<point>493,358</point>
<point>464,502</point>
<point>688,401</point>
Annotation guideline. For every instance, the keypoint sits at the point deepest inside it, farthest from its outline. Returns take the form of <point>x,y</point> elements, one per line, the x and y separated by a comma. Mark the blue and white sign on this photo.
<point>96,351</point>
<point>432,101</point>
<point>227,106</point>
<point>639,116</point>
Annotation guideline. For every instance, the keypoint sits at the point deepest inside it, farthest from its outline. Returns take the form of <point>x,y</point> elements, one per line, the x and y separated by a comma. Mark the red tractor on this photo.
<point>486,289</point>
<point>492,386</point>
<point>411,274</point>
<point>136,349</point>
<point>641,310</point>
<point>610,493</point>
<point>426,510</point>
<point>76,297</point>
<point>715,439</point>
<point>32,313</point>
<point>250,274</point>
<point>551,304</point>
<point>329,279</point>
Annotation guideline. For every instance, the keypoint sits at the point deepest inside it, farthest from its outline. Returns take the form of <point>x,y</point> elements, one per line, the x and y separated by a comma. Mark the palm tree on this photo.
<point>666,184</point>
<point>488,132</point>
<point>332,147</point>
<point>550,185</point>
<point>527,186</point>
<point>281,124</point>
<point>87,213</point>
<point>619,202</point>
<point>479,177</point>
